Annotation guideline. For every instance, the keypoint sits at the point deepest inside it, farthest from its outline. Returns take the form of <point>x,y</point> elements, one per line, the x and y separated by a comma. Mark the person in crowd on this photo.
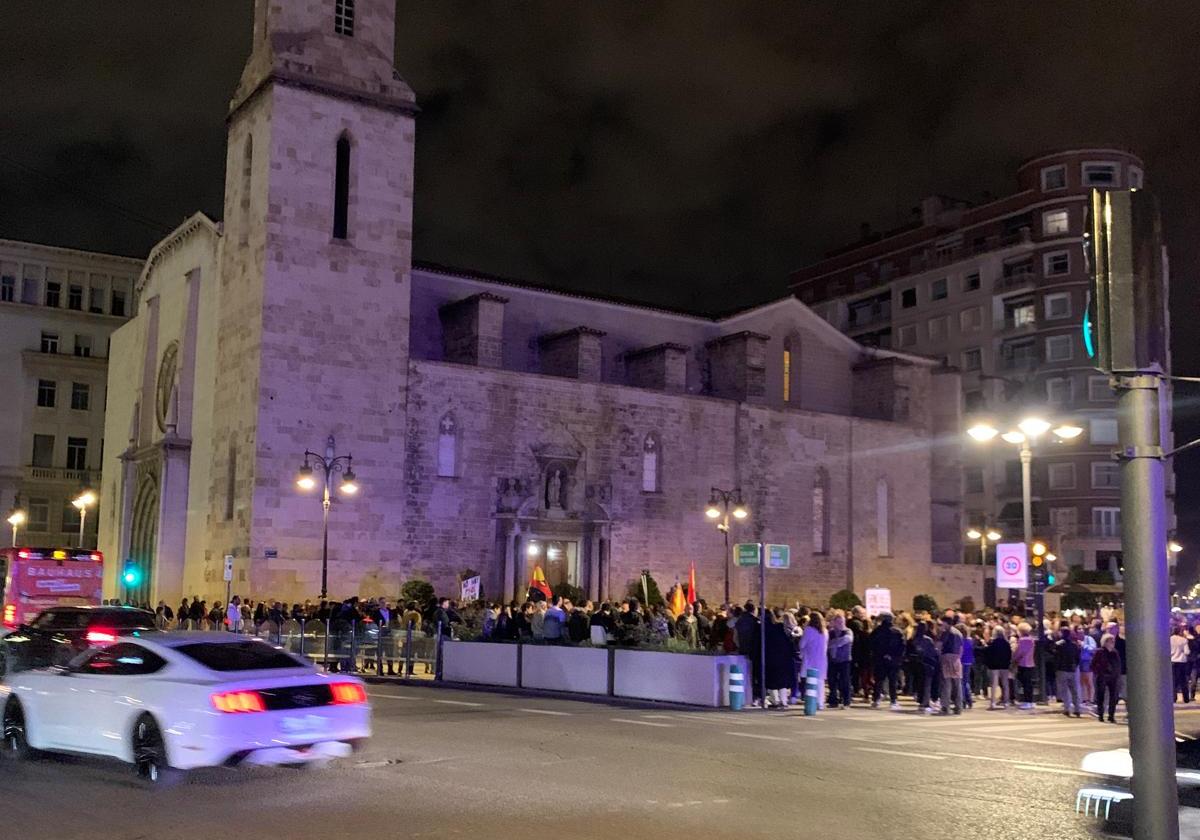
<point>841,658</point>
<point>814,649</point>
<point>998,659</point>
<point>1114,629</point>
<point>444,618</point>
<point>887,653</point>
<point>778,669</point>
<point>925,665</point>
<point>746,633</point>
<point>537,620</point>
<point>1106,671</point>
<point>197,613</point>
<point>1087,649</point>
<point>1023,655</point>
<point>233,615</point>
<point>1067,657</point>
<point>861,671</point>
<point>967,688</point>
<point>1179,664</point>
<point>951,648</point>
<point>687,627</point>
<point>554,619</point>
<point>795,633</point>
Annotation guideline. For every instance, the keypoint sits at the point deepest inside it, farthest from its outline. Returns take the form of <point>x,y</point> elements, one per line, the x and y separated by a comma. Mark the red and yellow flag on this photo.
<point>691,593</point>
<point>677,602</point>
<point>538,582</point>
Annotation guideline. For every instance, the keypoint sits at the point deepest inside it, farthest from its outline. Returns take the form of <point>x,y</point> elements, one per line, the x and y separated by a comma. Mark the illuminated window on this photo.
<point>1055,222</point>
<point>787,375</point>
<point>343,17</point>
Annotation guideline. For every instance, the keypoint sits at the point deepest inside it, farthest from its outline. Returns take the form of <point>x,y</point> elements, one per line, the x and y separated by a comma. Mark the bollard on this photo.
<point>736,685</point>
<point>437,668</point>
<point>811,685</point>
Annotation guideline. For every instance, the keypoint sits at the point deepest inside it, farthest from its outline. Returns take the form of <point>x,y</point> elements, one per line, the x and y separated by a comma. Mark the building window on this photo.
<point>1020,313</point>
<point>118,303</point>
<point>81,396</point>
<point>343,17</point>
<point>1098,389</point>
<point>39,515</point>
<point>1059,391</point>
<point>1058,306</point>
<point>1019,354</point>
<point>970,320</point>
<point>973,401</point>
<point>447,450</point>
<point>883,517</point>
<point>1106,475</point>
<point>83,346</point>
<point>1099,174</point>
<point>70,518</point>
<point>1063,520</point>
<point>971,282</point>
<point>1059,348</point>
<point>96,304</point>
<point>341,189</point>
<point>1135,178</point>
<point>1055,222</point>
<point>8,288</point>
<point>820,512</point>
<point>231,481</point>
<point>1061,476</point>
<point>1106,522</point>
<point>939,289</point>
<point>908,335</point>
<point>651,466</point>
<point>75,297</point>
<point>54,295</point>
<point>908,298</point>
<point>43,451</point>
<point>1056,264</point>
<point>76,453</point>
<point>1102,430</point>
<point>973,479</point>
<point>938,328</point>
<point>29,290</point>
<point>972,359</point>
<point>47,391</point>
<point>1054,178</point>
<point>49,342</point>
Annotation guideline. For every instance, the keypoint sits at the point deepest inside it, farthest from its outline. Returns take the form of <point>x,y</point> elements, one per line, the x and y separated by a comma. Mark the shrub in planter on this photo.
<point>635,591</point>
<point>566,590</point>
<point>844,599</point>
<point>416,589</point>
<point>924,603</point>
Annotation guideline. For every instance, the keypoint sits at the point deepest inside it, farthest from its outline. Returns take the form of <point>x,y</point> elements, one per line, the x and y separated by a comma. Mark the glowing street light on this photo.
<point>722,503</point>
<point>306,479</point>
<point>16,519</point>
<point>82,502</point>
<point>984,535</point>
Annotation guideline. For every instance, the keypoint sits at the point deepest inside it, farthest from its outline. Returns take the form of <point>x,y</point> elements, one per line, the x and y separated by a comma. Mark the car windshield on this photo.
<point>239,656</point>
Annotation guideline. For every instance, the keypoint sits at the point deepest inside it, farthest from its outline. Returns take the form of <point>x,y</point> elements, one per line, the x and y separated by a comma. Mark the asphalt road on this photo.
<point>446,763</point>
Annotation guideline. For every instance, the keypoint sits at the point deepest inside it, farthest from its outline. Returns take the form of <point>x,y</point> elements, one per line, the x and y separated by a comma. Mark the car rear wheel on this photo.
<point>16,745</point>
<point>150,754</point>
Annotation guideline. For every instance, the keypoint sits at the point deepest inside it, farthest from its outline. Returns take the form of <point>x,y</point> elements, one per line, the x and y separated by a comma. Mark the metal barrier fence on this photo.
<point>355,646</point>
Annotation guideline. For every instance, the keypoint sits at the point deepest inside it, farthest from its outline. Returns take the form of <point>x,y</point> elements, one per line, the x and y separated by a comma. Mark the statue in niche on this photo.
<point>554,488</point>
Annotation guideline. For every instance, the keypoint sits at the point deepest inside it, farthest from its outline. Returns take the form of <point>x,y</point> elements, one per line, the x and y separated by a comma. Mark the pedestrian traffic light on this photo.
<point>131,575</point>
<point>1124,323</point>
<point>1050,578</point>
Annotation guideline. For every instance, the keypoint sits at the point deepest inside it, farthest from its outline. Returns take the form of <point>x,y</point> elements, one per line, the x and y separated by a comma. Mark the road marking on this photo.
<point>544,712</point>
<point>1017,761</point>
<point>657,717</point>
<point>395,696</point>
<point>457,703</point>
<point>642,722</point>
<point>1035,768</point>
<point>1031,738</point>
<point>900,753</point>
<point>760,737</point>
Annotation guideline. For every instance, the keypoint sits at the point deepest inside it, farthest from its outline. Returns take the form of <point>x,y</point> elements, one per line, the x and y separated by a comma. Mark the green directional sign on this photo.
<point>779,556</point>
<point>745,554</point>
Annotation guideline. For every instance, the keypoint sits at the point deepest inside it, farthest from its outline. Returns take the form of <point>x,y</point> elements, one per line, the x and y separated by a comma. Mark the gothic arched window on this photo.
<point>820,512</point>
<point>651,464</point>
<point>247,169</point>
<point>341,190</point>
<point>447,448</point>
<point>883,517</point>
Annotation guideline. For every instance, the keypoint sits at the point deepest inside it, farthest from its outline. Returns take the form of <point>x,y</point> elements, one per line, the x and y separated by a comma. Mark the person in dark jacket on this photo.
<point>997,657</point>
<point>578,626</point>
<point>1106,671</point>
<point>861,672</point>
<point>1066,670</point>
<point>780,672</point>
<point>745,631</point>
<point>887,654</point>
<point>926,666</point>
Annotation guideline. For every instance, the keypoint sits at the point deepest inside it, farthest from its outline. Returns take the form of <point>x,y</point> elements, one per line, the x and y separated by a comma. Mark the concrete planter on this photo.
<point>674,677</point>
<point>583,670</point>
<point>482,663</point>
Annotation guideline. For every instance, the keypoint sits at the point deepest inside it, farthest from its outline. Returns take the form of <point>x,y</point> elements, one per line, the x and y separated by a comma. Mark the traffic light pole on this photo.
<point>1149,695</point>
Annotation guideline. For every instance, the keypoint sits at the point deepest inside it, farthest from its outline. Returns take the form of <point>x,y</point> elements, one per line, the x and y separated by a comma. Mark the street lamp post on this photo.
<point>984,535</point>
<point>16,519</point>
<point>1026,433</point>
<point>722,503</point>
<point>330,466</point>
<point>82,502</point>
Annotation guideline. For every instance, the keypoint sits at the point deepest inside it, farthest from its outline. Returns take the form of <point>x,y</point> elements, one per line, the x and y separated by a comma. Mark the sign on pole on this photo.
<point>470,589</point>
<point>779,556</point>
<point>745,554</point>
<point>228,567</point>
<point>1012,566</point>
<point>879,600</point>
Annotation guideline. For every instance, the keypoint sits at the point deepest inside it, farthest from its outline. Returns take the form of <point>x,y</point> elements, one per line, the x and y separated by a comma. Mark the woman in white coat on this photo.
<point>814,647</point>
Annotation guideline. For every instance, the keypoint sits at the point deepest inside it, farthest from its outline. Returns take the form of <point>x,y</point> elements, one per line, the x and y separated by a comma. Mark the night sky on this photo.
<point>685,153</point>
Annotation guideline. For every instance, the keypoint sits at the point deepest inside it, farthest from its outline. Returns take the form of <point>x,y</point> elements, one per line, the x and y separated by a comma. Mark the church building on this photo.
<point>494,426</point>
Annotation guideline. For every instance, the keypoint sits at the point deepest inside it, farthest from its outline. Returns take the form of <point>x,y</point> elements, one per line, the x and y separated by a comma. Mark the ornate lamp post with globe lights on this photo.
<point>306,479</point>
<point>722,503</point>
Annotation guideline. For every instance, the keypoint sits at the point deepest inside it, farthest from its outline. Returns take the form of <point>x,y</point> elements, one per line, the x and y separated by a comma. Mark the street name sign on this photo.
<point>779,556</point>
<point>745,554</point>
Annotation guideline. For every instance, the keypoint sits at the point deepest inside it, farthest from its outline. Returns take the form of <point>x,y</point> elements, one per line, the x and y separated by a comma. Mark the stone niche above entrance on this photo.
<point>560,478</point>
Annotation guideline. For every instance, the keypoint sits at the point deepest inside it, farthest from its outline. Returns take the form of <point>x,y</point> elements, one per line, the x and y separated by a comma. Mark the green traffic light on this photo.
<point>132,576</point>
<point>1050,579</point>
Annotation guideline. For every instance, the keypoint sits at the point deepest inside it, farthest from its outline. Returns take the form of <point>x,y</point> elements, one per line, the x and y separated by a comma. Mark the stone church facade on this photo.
<point>493,425</point>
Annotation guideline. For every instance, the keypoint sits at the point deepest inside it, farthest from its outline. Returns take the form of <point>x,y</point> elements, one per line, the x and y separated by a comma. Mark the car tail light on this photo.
<point>239,701</point>
<point>101,637</point>
<point>347,693</point>
<point>10,615</point>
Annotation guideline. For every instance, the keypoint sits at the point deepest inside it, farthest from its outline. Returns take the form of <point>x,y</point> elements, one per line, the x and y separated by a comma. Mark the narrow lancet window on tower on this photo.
<point>341,190</point>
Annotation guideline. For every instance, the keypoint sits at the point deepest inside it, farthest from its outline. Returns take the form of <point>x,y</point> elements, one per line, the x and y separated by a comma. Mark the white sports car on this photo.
<point>168,702</point>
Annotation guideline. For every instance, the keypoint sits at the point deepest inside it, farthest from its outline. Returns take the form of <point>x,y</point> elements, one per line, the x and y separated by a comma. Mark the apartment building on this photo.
<point>57,309</point>
<point>999,290</point>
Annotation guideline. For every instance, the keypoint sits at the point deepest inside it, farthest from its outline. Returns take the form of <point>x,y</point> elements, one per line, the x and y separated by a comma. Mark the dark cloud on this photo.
<point>685,152</point>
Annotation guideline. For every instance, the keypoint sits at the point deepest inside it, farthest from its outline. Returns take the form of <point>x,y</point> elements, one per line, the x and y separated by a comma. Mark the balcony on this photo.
<point>1008,327</point>
<point>1013,281</point>
<point>62,475</point>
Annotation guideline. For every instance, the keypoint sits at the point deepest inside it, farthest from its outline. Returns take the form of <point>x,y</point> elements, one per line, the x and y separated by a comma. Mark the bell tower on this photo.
<point>314,299</point>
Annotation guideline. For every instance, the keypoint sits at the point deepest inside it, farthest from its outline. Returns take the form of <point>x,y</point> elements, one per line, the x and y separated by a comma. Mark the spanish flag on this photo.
<point>677,602</point>
<point>538,582</point>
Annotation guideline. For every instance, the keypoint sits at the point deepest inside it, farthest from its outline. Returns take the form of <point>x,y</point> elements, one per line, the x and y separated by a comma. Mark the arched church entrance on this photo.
<point>143,541</point>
